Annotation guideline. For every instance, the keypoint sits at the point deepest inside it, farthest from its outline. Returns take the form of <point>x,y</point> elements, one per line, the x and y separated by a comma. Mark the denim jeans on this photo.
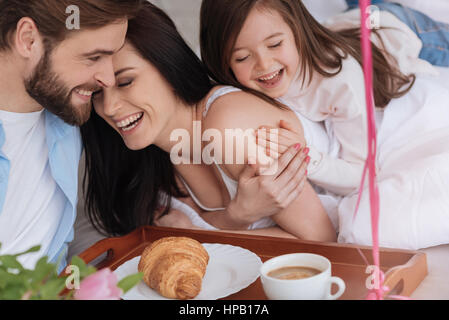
<point>352,4</point>
<point>433,34</point>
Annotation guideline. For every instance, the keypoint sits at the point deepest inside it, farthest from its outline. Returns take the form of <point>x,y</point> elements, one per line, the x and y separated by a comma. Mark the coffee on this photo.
<point>293,273</point>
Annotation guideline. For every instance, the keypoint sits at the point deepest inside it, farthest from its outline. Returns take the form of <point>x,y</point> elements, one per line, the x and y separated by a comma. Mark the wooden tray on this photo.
<point>404,270</point>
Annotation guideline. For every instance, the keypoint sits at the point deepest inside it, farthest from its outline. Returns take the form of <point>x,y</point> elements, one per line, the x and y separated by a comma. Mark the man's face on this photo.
<point>67,75</point>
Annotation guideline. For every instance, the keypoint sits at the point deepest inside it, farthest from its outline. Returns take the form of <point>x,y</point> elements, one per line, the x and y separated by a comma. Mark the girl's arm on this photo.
<point>340,101</point>
<point>331,173</point>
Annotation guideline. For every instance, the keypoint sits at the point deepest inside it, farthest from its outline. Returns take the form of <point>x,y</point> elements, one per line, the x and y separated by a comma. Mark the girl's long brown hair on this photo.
<point>321,50</point>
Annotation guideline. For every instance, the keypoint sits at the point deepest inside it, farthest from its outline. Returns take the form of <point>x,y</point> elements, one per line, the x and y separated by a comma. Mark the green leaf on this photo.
<point>51,289</point>
<point>13,293</point>
<point>84,269</point>
<point>9,279</point>
<point>10,262</point>
<point>31,250</point>
<point>90,270</point>
<point>129,282</point>
<point>42,270</point>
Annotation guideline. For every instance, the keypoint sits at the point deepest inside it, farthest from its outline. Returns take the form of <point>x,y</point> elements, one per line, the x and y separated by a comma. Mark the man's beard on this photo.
<point>51,93</point>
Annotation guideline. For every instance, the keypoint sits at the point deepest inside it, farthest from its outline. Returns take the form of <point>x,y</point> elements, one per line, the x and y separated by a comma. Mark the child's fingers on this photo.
<point>275,153</point>
<point>269,140</point>
<point>279,136</point>
<point>277,167</point>
<point>267,130</point>
<point>284,128</point>
<point>273,149</point>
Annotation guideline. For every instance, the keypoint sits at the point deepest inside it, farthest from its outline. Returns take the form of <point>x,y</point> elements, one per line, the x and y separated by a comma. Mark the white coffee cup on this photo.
<point>317,287</point>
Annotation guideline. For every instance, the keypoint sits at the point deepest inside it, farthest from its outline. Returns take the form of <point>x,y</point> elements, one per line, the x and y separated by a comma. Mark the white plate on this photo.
<point>230,270</point>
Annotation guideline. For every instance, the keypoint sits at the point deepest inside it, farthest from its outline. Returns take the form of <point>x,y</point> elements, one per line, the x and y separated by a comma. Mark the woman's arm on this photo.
<point>259,196</point>
<point>305,217</point>
<point>177,219</point>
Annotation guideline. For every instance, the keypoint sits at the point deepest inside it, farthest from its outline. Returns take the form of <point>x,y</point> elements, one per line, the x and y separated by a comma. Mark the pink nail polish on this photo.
<point>297,146</point>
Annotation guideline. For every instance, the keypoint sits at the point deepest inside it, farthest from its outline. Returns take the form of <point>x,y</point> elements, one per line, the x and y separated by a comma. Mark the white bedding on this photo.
<point>413,173</point>
<point>324,9</point>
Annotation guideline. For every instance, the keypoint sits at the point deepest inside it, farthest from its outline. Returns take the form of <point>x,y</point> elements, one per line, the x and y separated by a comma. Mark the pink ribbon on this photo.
<point>370,164</point>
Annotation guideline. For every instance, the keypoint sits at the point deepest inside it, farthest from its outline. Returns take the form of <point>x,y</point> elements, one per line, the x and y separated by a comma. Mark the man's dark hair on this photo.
<point>50,16</point>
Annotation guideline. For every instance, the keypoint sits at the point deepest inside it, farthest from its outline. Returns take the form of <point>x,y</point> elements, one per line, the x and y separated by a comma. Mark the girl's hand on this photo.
<point>276,145</point>
<point>261,196</point>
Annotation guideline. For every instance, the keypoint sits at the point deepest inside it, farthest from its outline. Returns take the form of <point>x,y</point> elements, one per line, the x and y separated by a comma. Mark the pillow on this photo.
<point>436,9</point>
<point>324,9</point>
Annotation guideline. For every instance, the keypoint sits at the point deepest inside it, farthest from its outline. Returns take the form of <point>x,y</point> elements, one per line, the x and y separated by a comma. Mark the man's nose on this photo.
<point>105,76</point>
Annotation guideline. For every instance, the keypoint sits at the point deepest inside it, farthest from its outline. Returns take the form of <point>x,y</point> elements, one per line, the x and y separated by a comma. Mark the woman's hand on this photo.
<point>261,196</point>
<point>258,195</point>
<point>276,145</point>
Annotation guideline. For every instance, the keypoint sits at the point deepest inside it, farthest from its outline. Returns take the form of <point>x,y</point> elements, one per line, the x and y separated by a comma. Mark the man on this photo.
<point>49,69</point>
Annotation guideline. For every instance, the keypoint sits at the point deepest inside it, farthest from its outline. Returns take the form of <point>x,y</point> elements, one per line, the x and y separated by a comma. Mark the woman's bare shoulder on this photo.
<point>243,110</point>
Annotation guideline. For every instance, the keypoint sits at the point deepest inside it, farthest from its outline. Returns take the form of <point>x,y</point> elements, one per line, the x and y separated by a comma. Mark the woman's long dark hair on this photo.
<point>124,188</point>
<point>320,49</point>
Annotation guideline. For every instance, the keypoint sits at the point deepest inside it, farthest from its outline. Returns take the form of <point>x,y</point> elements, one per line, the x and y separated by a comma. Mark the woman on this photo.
<point>161,87</point>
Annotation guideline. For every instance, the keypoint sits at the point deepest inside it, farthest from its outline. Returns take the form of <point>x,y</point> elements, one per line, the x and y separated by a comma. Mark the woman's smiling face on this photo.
<point>141,103</point>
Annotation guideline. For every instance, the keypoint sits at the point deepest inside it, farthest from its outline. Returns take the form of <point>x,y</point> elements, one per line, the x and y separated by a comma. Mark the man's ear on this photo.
<point>27,39</point>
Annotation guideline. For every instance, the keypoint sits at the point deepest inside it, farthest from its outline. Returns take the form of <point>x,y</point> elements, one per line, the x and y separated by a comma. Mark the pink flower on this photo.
<point>101,285</point>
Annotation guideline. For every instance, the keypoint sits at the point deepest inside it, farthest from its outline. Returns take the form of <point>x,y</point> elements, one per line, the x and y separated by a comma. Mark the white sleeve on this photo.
<point>336,175</point>
<point>413,175</point>
<point>348,120</point>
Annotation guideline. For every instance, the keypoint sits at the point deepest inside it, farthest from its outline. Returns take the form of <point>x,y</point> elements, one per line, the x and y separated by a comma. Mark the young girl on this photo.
<point>276,48</point>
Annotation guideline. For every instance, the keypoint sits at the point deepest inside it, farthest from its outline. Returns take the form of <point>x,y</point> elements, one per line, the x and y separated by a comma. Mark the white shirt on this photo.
<point>340,102</point>
<point>34,203</point>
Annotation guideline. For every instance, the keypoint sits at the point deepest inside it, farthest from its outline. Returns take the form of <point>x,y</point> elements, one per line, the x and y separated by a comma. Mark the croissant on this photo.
<point>174,267</point>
